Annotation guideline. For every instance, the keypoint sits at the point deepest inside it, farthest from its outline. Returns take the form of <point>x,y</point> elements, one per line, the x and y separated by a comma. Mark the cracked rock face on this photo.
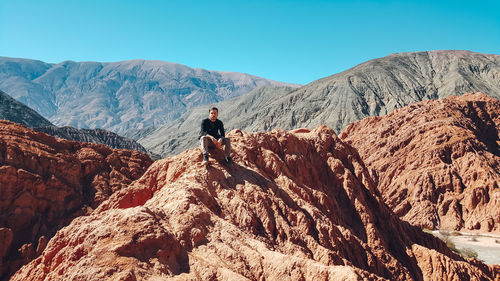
<point>297,205</point>
<point>437,162</point>
<point>46,182</point>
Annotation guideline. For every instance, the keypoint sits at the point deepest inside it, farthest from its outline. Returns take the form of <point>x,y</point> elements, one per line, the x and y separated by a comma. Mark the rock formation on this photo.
<point>118,96</point>
<point>46,182</point>
<point>297,205</point>
<point>372,88</point>
<point>437,162</point>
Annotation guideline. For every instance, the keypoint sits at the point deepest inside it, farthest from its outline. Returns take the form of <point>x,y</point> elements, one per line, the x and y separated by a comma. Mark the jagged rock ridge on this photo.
<point>119,96</point>
<point>46,182</point>
<point>295,206</point>
<point>437,162</point>
<point>372,88</point>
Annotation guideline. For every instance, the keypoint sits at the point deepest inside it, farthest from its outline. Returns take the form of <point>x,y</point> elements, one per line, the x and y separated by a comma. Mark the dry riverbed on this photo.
<point>486,245</point>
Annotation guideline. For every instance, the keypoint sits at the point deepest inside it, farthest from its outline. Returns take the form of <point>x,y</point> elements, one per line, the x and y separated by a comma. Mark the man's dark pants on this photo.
<point>206,142</point>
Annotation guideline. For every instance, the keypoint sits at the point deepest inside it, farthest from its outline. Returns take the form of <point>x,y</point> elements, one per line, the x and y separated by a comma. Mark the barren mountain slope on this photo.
<point>381,85</point>
<point>92,135</point>
<point>14,111</point>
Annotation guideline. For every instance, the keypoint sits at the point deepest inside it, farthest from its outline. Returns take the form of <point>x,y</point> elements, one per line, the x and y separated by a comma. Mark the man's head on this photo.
<point>213,113</point>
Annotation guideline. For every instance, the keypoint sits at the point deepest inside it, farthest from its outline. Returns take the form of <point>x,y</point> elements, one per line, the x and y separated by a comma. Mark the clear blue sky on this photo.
<point>291,41</point>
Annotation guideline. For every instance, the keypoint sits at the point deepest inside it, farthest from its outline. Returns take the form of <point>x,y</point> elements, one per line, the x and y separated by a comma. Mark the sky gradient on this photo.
<point>290,41</point>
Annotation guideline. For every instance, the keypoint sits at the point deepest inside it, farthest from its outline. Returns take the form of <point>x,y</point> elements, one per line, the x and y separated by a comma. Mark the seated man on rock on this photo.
<point>212,132</point>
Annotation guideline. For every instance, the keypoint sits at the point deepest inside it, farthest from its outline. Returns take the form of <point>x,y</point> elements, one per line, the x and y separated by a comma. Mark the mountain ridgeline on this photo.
<point>119,96</point>
<point>372,88</point>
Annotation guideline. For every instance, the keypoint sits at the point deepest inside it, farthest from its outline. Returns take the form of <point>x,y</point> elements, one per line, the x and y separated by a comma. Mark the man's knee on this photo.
<point>226,141</point>
<point>205,142</point>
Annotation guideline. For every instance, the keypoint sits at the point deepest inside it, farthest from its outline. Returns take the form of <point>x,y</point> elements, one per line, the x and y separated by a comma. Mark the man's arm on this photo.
<point>221,130</point>
<point>203,129</point>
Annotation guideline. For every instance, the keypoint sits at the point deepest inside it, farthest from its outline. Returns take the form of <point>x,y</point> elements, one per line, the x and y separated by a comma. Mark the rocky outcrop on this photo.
<point>118,96</point>
<point>437,162</point>
<point>46,182</point>
<point>296,205</point>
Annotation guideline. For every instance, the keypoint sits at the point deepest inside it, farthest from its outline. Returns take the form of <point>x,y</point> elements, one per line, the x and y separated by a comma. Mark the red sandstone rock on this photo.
<point>46,182</point>
<point>437,162</point>
<point>294,206</point>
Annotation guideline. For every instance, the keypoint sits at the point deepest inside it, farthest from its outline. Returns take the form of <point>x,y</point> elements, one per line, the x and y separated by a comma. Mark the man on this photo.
<point>212,132</point>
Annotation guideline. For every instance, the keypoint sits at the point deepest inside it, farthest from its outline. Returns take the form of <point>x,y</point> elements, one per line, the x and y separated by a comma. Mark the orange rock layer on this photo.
<point>46,182</point>
<point>297,205</point>
<point>437,162</point>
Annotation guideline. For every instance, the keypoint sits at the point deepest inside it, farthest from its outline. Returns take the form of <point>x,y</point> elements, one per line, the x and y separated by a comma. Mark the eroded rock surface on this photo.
<point>437,162</point>
<point>46,182</point>
<point>295,205</point>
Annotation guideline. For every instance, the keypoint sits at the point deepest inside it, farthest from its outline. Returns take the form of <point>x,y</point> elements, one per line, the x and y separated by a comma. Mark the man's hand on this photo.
<point>218,143</point>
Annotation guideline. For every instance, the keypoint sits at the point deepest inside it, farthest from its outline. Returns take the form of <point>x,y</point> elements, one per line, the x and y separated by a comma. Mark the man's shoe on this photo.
<point>205,159</point>
<point>229,161</point>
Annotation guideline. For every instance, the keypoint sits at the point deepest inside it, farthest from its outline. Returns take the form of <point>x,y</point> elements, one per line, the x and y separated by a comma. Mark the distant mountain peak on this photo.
<point>119,96</point>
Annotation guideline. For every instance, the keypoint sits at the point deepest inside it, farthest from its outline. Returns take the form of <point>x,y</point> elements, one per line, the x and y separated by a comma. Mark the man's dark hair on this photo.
<point>214,108</point>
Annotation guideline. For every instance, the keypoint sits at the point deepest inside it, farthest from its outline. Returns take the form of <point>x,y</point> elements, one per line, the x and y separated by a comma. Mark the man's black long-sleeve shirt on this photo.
<point>215,129</point>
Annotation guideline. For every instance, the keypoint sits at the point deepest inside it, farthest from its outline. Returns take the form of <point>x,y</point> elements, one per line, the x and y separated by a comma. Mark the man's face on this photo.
<point>213,115</point>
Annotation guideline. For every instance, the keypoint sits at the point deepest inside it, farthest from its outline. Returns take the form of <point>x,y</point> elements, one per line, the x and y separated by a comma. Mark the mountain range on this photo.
<point>118,96</point>
<point>372,88</point>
